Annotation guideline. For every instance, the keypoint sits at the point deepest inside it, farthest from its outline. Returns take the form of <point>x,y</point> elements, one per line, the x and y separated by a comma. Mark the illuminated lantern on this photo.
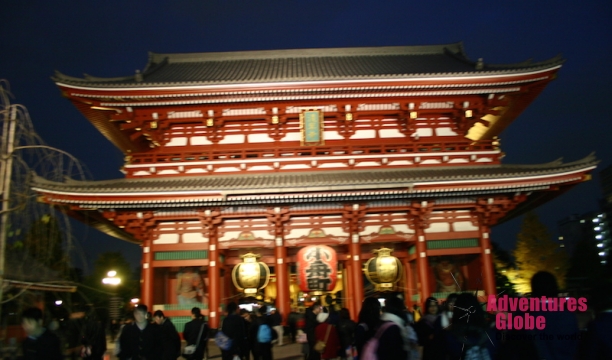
<point>383,270</point>
<point>317,267</point>
<point>250,275</point>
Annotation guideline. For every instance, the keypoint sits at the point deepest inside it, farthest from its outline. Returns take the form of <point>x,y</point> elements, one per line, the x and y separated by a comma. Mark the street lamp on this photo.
<point>111,278</point>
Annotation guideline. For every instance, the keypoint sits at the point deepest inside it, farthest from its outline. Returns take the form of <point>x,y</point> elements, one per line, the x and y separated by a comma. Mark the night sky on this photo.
<point>112,38</point>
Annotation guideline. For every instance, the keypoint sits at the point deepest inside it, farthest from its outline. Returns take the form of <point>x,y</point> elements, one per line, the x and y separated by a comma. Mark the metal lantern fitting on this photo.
<point>250,275</point>
<point>383,270</point>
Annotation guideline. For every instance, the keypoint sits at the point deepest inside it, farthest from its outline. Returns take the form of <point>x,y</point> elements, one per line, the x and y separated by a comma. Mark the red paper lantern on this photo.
<point>317,267</point>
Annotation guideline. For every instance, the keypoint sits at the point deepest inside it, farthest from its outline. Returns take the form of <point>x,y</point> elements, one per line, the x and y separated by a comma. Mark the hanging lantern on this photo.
<point>317,267</point>
<point>383,270</point>
<point>250,275</point>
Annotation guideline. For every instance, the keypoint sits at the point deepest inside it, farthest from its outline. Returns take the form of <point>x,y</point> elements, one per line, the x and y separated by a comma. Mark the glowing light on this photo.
<point>58,302</point>
<point>111,273</point>
<point>135,300</point>
<point>111,281</point>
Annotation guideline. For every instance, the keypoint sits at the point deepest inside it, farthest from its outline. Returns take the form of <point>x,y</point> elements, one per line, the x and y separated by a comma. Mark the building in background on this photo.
<point>315,160</point>
<point>592,226</point>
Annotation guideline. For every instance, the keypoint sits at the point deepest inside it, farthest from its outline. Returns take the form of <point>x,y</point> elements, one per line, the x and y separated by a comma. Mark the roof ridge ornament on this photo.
<point>480,64</point>
<point>138,76</point>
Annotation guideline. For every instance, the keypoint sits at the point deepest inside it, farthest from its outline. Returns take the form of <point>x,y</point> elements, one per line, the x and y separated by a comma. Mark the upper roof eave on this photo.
<point>158,62</point>
<point>286,182</point>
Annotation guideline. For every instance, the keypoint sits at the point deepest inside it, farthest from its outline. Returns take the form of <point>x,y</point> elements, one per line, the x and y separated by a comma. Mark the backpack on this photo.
<point>264,334</point>
<point>369,349</point>
<point>477,353</point>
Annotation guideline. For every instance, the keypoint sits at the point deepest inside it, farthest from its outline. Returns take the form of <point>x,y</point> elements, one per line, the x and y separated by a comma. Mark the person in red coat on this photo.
<point>327,332</point>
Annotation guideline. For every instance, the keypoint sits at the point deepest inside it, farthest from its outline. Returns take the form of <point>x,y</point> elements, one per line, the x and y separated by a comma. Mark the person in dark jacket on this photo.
<point>309,328</point>
<point>195,327</point>
<point>346,332</point>
<point>368,320</point>
<point>292,321</point>
<point>141,339</point>
<point>426,329</point>
<point>234,328</point>
<point>171,340</point>
<point>40,344</point>
<point>261,350</point>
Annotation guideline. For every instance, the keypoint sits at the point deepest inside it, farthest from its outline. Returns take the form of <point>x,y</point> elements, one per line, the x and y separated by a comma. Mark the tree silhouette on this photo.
<point>535,251</point>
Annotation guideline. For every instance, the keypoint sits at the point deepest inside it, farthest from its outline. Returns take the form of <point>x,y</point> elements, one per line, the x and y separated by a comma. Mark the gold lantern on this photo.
<point>250,275</point>
<point>383,270</point>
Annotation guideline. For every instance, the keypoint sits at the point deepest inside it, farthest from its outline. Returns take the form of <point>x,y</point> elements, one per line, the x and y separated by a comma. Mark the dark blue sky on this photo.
<point>112,38</point>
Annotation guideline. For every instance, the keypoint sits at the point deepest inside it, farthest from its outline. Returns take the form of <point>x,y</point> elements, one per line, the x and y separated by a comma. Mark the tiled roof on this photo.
<point>305,65</point>
<point>315,181</point>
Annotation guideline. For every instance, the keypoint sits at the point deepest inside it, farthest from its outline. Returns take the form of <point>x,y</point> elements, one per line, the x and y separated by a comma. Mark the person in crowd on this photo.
<point>276,319</point>
<point>425,329</point>
<point>40,344</point>
<point>171,346</point>
<point>346,332</point>
<point>197,326</point>
<point>248,319</point>
<point>395,312</point>
<point>292,321</point>
<point>234,328</point>
<point>470,335</point>
<point>597,344</point>
<point>141,339</point>
<point>367,322</point>
<point>327,333</point>
<point>446,315</point>
<point>310,324</point>
<point>561,326</point>
<point>262,350</point>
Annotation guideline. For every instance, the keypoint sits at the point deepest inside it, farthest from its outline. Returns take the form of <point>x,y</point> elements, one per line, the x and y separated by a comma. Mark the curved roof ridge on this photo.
<point>555,60</point>
<point>304,53</point>
<point>59,77</point>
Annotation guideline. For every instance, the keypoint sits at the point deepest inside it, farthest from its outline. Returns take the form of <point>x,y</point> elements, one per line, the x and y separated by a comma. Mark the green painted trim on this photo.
<point>451,244</point>
<point>181,255</point>
<point>416,298</point>
<point>412,250</point>
<point>184,307</point>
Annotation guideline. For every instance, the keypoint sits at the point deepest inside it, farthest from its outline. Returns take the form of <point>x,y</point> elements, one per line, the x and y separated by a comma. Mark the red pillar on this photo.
<point>487,262</point>
<point>422,265</point>
<point>146,292</point>
<point>283,299</point>
<point>409,283</point>
<point>349,290</point>
<point>214,282</point>
<point>355,251</point>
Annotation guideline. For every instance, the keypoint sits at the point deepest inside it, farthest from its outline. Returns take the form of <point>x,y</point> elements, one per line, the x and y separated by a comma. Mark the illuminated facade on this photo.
<point>268,152</point>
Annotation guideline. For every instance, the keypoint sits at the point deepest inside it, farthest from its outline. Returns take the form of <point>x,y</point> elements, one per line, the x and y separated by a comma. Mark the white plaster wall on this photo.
<point>438,228</point>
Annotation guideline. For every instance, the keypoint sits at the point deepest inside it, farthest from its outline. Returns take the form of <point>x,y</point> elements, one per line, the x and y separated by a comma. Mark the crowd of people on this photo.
<point>458,328</point>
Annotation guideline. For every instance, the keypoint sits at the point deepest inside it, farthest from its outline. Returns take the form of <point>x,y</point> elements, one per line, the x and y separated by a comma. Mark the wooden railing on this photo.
<point>314,151</point>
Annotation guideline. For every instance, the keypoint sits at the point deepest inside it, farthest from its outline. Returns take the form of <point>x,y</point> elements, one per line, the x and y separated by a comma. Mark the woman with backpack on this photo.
<point>368,320</point>
<point>381,337</point>
<point>327,343</point>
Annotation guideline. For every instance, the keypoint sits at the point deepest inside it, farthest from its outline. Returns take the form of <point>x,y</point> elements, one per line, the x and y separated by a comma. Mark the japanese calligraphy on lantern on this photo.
<point>311,124</point>
<point>317,268</point>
